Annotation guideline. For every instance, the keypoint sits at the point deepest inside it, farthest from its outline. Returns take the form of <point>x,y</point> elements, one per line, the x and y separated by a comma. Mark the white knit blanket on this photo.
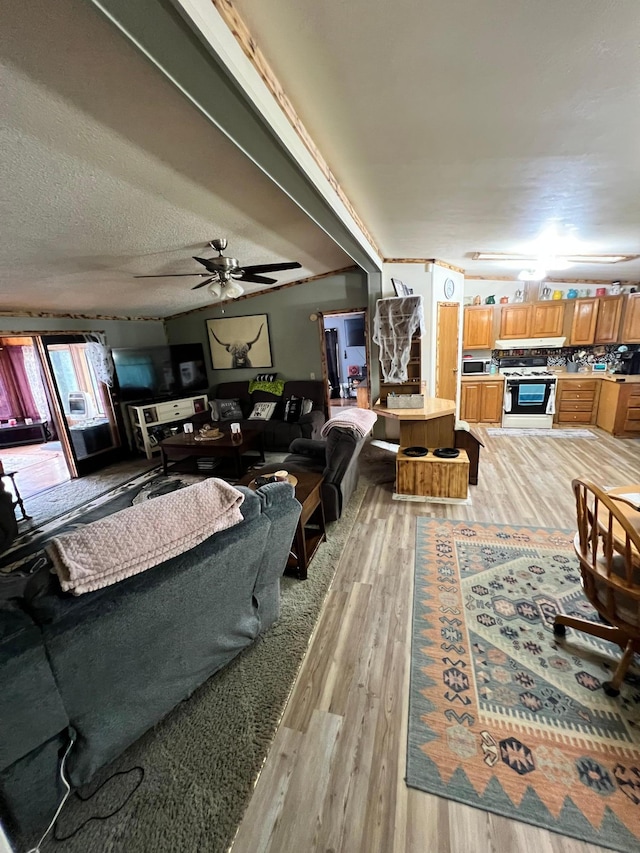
<point>142,536</point>
<point>360,420</point>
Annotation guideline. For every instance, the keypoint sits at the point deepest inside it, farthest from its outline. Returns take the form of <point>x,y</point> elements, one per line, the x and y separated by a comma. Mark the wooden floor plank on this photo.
<point>349,706</point>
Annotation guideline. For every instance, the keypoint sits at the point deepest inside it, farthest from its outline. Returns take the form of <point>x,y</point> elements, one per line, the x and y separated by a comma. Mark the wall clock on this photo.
<point>449,287</point>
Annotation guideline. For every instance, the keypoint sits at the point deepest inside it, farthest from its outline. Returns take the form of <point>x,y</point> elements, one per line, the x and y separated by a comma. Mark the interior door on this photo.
<point>85,410</point>
<point>447,347</point>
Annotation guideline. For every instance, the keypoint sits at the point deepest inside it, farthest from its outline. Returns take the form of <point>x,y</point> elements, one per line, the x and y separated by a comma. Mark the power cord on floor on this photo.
<point>67,793</point>
<point>36,849</point>
<point>91,796</point>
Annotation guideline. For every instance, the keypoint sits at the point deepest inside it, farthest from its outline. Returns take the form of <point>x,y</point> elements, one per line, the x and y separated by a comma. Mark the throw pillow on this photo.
<point>266,377</point>
<point>293,410</point>
<point>262,411</point>
<point>225,410</point>
<point>307,406</point>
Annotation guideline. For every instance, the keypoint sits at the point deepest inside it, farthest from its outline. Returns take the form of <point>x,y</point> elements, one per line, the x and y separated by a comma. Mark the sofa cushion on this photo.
<point>262,411</point>
<point>226,410</point>
<point>31,709</point>
<point>293,410</point>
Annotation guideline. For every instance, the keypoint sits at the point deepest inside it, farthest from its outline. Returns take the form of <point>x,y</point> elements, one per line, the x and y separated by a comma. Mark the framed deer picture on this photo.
<point>239,342</point>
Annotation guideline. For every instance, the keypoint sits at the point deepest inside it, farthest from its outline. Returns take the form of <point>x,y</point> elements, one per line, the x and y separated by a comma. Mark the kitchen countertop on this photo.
<point>482,377</point>
<point>619,379</point>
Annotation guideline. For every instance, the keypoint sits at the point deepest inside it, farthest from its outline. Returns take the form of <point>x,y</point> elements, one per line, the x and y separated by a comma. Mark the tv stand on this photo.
<point>152,422</point>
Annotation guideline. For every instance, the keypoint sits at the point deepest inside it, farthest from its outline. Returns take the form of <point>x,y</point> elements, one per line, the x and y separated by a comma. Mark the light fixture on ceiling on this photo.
<point>227,289</point>
<point>570,259</point>
<point>532,275</point>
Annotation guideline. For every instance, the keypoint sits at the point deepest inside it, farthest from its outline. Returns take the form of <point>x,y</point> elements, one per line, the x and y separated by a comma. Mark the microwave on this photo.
<point>475,365</point>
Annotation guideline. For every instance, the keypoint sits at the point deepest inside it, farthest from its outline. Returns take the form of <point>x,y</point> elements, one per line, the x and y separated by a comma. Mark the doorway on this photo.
<point>29,447</point>
<point>345,358</point>
<point>84,412</point>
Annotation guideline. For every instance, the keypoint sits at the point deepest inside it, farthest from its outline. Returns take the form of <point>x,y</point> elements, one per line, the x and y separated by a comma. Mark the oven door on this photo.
<point>529,397</point>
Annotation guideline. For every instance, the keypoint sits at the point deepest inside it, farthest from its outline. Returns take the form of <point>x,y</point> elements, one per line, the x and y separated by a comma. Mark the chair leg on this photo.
<point>612,688</point>
<point>604,632</point>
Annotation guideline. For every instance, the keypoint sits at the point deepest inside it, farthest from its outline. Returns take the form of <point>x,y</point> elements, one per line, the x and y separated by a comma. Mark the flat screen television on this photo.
<point>160,372</point>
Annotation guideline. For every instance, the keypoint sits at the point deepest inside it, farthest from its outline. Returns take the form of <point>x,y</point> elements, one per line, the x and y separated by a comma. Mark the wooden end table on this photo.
<point>184,445</point>
<point>311,529</point>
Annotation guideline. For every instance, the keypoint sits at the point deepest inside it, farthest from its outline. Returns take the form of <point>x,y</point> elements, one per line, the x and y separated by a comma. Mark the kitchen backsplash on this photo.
<point>559,357</point>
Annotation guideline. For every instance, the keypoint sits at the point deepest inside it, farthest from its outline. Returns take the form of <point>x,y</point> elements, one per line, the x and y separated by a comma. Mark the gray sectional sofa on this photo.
<point>110,664</point>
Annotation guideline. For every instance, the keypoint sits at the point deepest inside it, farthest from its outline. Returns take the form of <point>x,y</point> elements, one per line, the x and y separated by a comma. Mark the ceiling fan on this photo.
<point>223,274</point>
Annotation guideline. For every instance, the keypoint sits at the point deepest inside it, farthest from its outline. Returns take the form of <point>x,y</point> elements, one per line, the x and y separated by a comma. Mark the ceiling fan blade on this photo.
<point>203,283</point>
<point>256,279</point>
<point>171,275</point>
<point>206,262</point>
<point>290,265</point>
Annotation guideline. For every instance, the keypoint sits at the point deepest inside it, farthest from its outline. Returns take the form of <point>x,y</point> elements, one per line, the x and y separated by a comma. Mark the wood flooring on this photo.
<point>334,778</point>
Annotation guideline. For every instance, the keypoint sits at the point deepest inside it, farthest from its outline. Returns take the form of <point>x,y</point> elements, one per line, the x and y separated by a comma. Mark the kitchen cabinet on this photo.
<point>608,319</point>
<point>619,409</point>
<point>478,327</point>
<point>631,325</point>
<point>515,321</point>
<point>481,402</point>
<point>577,401</point>
<point>547,319</point>
<point>583,324</point>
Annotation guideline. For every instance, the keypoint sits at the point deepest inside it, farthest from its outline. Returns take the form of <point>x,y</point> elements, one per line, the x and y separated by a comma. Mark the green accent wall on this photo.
<point>295,340</point>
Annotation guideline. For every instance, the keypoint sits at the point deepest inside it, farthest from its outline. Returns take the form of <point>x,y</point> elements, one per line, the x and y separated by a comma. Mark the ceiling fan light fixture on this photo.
<point>215,289</point>
<point>232,290</point>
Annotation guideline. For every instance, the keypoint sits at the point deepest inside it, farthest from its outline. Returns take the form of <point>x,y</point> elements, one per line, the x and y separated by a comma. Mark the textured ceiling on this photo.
<point>452,127</point>
<point>463,126</point>
<point>107,171</point>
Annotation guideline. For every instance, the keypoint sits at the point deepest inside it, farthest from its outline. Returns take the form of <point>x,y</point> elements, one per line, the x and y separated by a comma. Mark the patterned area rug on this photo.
<point>502,716</point>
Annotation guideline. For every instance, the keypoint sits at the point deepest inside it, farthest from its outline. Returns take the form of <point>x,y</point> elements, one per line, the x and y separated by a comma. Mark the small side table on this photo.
<point>18,501</point>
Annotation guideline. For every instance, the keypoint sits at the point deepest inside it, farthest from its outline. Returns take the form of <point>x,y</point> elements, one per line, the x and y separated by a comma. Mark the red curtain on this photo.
<point>16,399</point>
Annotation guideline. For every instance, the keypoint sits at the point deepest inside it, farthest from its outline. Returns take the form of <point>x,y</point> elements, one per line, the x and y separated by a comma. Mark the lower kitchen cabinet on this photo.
<point>481,402</point>
<point>577,401</point>
<point>619,409</point>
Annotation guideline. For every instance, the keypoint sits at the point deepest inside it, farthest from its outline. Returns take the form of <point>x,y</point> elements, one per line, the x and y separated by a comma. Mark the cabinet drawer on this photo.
<point>575,417</point>
<point>634,399</point>
<point>577,395</point>
<point>633,414</point>
<point>579,385</point>
<point>576,405</point>
<point>174,410</point>
<point>632,426</point>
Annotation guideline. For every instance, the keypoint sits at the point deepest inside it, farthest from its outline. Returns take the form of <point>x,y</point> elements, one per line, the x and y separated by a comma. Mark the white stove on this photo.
<point>529,393</point>
<point>525,371</point>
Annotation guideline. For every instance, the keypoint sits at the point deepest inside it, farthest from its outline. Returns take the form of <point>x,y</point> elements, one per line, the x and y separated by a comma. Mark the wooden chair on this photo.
<point>608,547</point>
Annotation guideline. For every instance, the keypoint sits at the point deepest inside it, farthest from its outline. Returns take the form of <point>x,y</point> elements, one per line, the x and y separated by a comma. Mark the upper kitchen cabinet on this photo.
<point>608,321</point>
<point>547,319</point>
<point>583,325</point>
<point>478,327</point>
<point>631,325</point>
<point>515,321</point>
<point>597,321</point>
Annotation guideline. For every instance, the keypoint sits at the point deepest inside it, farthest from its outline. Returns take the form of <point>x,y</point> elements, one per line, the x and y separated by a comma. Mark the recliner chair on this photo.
<point>336,457</point>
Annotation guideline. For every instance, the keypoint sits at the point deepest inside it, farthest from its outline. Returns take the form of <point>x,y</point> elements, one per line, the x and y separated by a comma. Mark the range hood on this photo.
<point>531,343</point>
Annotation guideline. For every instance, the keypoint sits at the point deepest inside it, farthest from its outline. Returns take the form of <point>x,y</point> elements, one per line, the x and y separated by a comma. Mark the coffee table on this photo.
<point>311,531</point>
<point>184,445</point>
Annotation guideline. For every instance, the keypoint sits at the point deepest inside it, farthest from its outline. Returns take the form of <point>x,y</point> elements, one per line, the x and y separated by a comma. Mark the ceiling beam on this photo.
<point>205,74</point>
